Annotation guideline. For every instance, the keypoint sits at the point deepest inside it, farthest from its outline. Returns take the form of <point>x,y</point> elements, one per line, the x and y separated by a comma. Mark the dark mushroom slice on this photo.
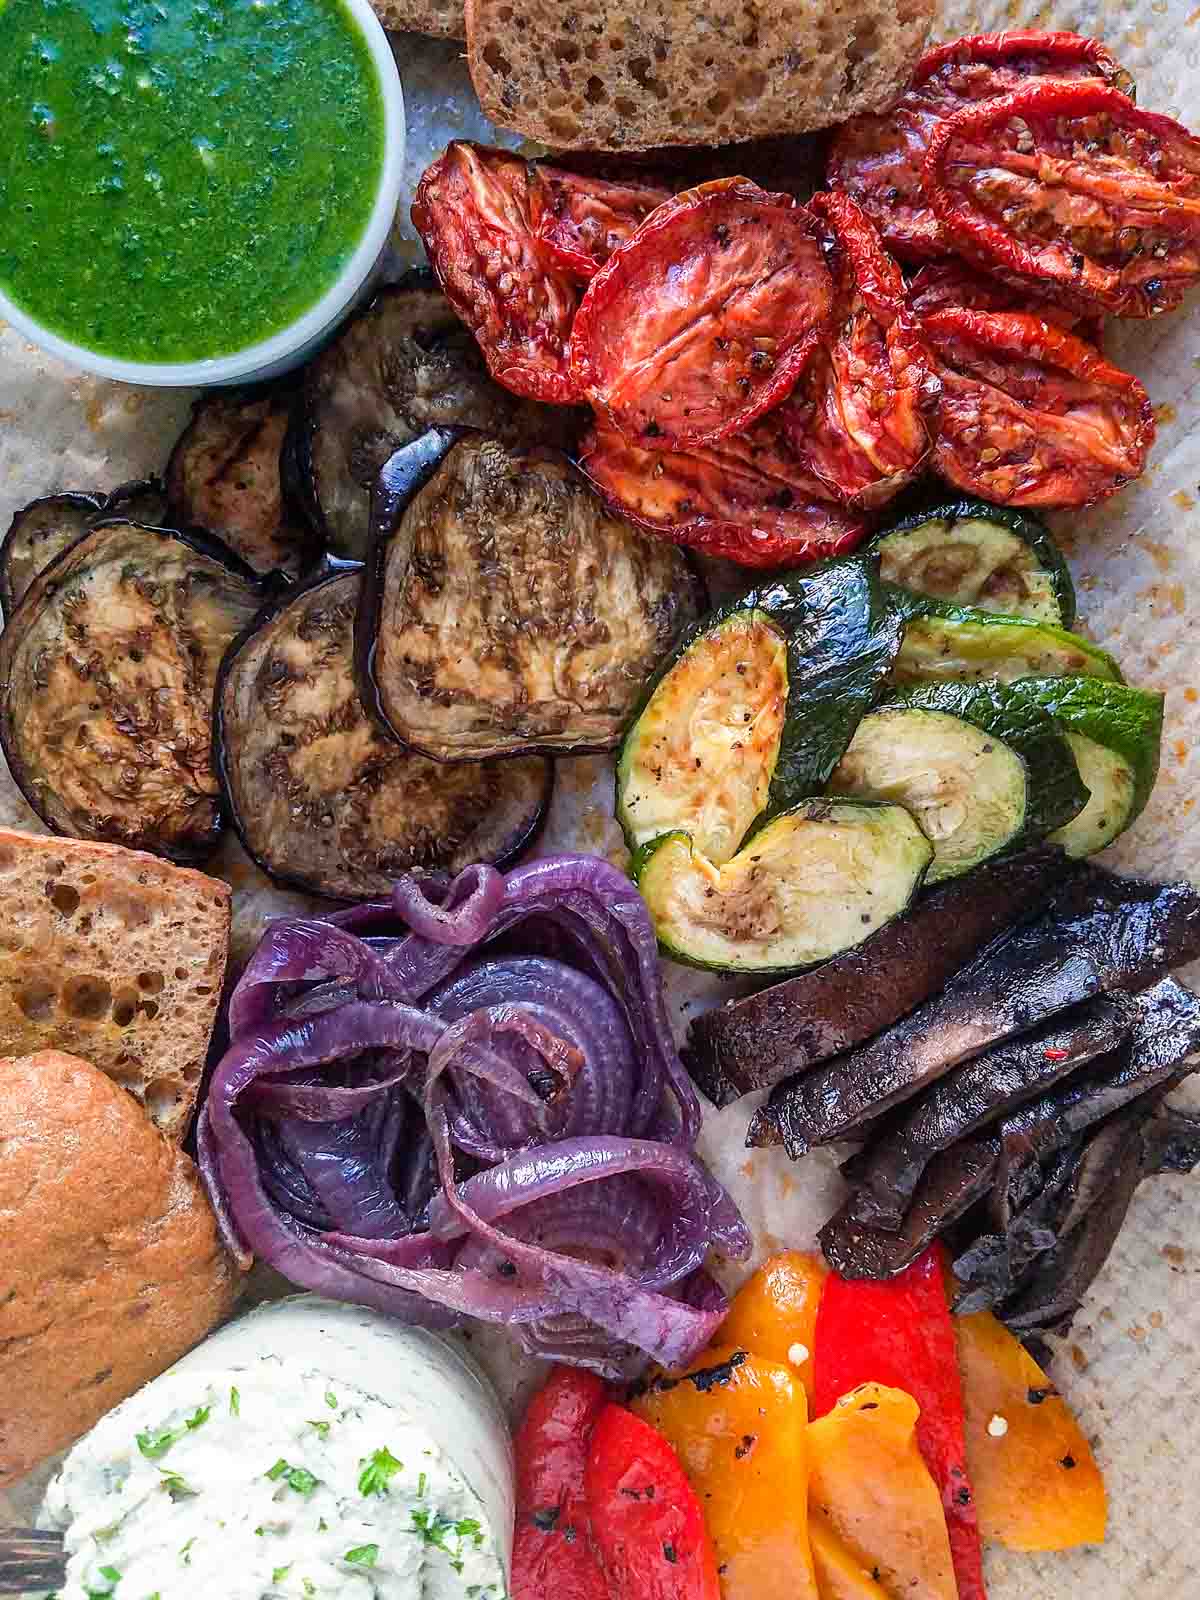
<point>507,612</point>
<point>143,500</point>
<point>953,1182</point>
<point>1102,934</point>
<point>107,673</point>
<point>224,476</point>
<point>757,1042</point>
<point>320,798</point>
<point>404,365</point>
<point>1172,1142</point>
<point>979,1093</point>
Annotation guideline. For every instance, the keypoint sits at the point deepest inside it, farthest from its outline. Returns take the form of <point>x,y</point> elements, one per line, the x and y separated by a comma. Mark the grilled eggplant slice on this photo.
<point>507,612</point>
<point>813,882</point>
<point>224,476</point>
<point>1102,934</point>
<point>976,554</point>
<point>404,365</point>
<point>45,528</point>
<point>320,798</point>
<point>107,673</point>
<point>943,641</point>
<point>757,1042</point>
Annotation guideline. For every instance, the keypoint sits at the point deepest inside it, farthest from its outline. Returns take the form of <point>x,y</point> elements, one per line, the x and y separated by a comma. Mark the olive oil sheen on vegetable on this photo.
<point>180,179</point>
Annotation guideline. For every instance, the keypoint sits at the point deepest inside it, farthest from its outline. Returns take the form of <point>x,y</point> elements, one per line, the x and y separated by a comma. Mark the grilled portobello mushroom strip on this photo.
<point>1102,934</point>
<point>107,673</point>
<point>505,611</point>
<point>224,476</point>
<point>405,364</point>
<point>321,800</point>
<point>757,1042</point>
<point>45,528</point>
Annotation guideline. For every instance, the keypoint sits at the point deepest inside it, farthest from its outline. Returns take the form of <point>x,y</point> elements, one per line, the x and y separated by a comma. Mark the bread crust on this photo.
<point>675,72</point>
<point>110,1263</point>
<point>442,18</point>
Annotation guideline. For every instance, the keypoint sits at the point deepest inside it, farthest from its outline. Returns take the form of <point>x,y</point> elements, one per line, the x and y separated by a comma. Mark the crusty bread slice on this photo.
<point>111,1265</point>
<point>443,18</point>
<point>599,76</point>
<point>115,956</point>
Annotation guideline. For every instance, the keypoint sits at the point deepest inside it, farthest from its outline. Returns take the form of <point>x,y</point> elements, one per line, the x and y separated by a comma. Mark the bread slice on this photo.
<point>599,76</point>
<point>442,18</point>
<point>115,956</point>
<point>111,1267</point>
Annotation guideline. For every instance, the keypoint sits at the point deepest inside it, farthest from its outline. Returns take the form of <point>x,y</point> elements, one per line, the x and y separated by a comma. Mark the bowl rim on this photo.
<point>272,354</point>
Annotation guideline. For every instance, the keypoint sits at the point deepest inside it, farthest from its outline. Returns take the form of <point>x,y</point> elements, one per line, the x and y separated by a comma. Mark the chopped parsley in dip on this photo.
<point>177,1493</point>
<point>182,180</point>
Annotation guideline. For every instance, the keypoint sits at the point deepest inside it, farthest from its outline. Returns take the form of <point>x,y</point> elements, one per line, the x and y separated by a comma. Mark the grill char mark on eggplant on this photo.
<point>43,529</point>
<point>404,365</point>
<point>1102,934</point>
<point>107,674</point>
<point>759,1041</point>
<point>320,798</point>
<point>976,1094</point>
<point>224,476</point>
<point>506,612</point>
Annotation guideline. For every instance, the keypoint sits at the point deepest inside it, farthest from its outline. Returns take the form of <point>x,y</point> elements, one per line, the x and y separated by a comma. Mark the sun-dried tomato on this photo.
<point>581,220</point>
<point>472,212</point>
<point>1071,188</point>
<point>953,285</point>
<point>878,159</point>
<point>1030,415</point>
<point>857,415</point>
<point>746,499</point>
<point>705,318</point>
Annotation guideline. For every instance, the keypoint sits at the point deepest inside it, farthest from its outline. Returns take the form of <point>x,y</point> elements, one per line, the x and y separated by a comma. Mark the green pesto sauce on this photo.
<point>181,178</point>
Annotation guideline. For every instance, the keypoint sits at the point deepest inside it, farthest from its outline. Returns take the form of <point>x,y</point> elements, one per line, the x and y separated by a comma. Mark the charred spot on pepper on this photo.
<point>1037,1397</point>
<point>669,1554</point>
<point>744,1447</point>
<point>546,1518</point>
<point>1068,1463</point>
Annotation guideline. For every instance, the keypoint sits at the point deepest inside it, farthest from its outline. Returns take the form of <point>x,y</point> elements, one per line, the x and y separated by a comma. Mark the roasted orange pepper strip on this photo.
<point>774,1313</point>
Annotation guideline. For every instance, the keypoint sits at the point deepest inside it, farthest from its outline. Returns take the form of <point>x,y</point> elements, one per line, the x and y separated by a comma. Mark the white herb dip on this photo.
<point>308,1449</point>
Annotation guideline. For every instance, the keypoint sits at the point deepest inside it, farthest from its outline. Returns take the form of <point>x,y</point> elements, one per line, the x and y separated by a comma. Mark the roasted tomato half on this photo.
<point>580,221</point>
<point>954,286</point>
<point>1070,188</point>
<point>472,211</point>
<point>878,159</point>
<point>748,499</point>
<point>705,318</point>
<point>1031,415</point>
<point>857,415</point>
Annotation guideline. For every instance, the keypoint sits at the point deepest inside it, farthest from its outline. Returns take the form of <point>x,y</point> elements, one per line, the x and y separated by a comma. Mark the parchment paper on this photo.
<point>1131,1367</point>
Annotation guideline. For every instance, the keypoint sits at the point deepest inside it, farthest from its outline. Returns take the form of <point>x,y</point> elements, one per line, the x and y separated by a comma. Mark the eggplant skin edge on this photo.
<point>203,544</point>
<point>332,568</point>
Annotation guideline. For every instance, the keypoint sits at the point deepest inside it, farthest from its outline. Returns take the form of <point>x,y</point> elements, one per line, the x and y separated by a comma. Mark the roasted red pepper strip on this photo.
<point>900,1333</point>
<point>580,221</point>
<point>746,500</point>
<point>647,1524</point>
<point>1072,189</point>
<point>705,318</point>
<point>878,159</point>
<point>954,286</point>
<point>553,1557</point>
<point>1030,415</point>
<point>472,212</point>
<point>857,416</point>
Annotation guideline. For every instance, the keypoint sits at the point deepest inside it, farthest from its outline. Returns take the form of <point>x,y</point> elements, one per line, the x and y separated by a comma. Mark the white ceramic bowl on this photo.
<point>290,347</point>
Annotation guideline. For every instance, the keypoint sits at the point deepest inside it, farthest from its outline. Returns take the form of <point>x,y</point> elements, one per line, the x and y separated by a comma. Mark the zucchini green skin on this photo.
<point>1056,791</point>
<point>1121,718</point>
<point>842,637</point>
<point>1026,525</point>
<point>909,606</point>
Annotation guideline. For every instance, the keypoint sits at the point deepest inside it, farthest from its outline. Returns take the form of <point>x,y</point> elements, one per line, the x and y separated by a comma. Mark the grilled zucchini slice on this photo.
<point>814,881</point>
<point>107,673</point>
<point>1112,782</point>
<point>976,554</point>
<point>944,642</point>
<point>45,528</point>
<point>321,800</point>
<point>967,788</point>
<point>507,612</point>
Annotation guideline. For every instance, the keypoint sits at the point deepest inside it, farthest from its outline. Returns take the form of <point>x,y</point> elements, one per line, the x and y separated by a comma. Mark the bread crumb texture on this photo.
<point>442,18</point>
<point>110,1263</point>
<point>115,956</point>
<point>594,76</point>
